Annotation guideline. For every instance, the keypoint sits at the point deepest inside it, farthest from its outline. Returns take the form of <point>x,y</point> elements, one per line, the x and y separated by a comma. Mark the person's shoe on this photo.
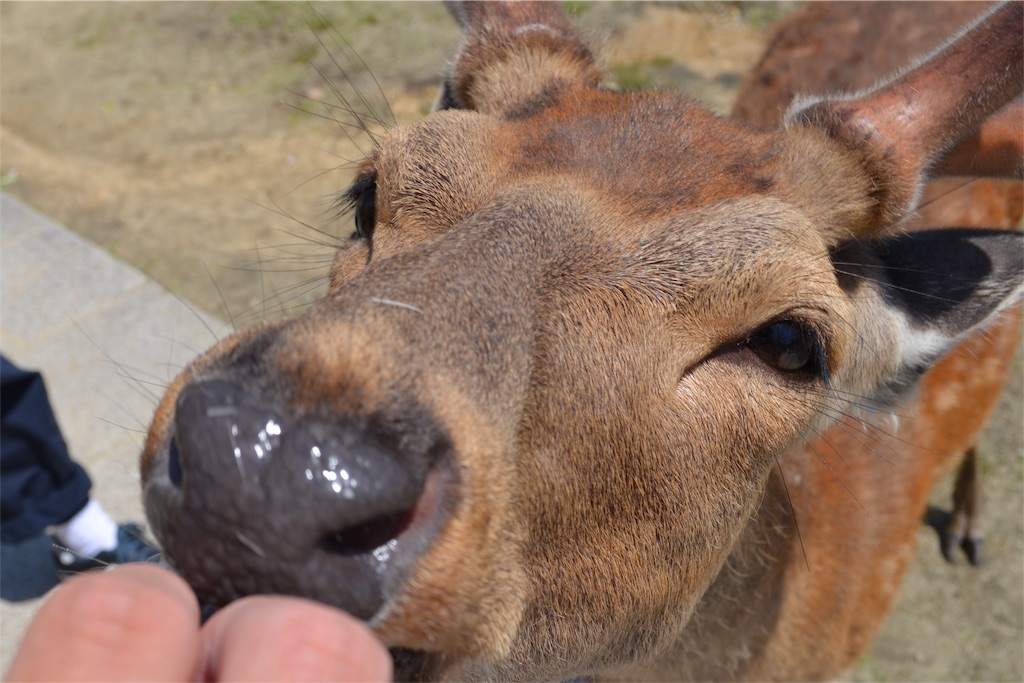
<point>131,547</point>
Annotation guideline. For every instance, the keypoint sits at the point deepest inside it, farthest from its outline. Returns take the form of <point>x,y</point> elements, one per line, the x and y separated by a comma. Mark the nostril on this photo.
<point>174,463</point>
<point>367,536</point>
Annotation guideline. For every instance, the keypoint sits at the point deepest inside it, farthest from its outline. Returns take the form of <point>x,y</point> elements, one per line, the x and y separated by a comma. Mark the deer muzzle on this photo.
<point>247,497</point>
<point>364,454</point>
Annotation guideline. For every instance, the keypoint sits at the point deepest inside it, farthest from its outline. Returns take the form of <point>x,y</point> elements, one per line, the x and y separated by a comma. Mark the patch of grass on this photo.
<point>639,73</point>
<point>631,75</point>
<point>869,668</point>
<point>575,9</point>
<point>97,34</point>
<point>756,13</point>
<point>319,23</point>
<point>305,54</point>
<point>368,19</point>
<point>9,178</point>
<point>260,15</point>
<point>302,110</point>
<point>762,14</point>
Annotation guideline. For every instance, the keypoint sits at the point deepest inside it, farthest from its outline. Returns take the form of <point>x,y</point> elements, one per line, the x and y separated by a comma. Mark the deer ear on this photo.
<point>512,54</point>
<point>994,150</point>
<point>902,127</point>
<point>938,285</point>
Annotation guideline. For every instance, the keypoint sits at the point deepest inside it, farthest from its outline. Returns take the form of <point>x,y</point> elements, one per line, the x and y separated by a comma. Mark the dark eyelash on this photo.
<point>362,184</point>
<point>361,199</point>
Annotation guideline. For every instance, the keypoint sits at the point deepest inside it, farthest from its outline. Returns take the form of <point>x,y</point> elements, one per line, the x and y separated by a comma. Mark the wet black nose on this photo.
<point>258,501</point>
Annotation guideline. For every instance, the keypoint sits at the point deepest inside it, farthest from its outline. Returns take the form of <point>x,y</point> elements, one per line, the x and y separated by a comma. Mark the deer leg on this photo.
<point>964,528</point>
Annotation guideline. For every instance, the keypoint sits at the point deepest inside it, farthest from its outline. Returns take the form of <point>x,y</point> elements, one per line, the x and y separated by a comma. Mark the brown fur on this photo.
<point>567,279</point>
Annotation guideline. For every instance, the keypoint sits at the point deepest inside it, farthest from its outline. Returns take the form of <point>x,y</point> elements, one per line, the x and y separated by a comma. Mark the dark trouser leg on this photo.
<point>40,485</point>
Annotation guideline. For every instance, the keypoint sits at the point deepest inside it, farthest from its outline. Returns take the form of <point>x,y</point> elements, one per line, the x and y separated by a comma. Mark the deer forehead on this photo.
<point>647,153</point>
<point>641,155</point>
<point>644,197</point>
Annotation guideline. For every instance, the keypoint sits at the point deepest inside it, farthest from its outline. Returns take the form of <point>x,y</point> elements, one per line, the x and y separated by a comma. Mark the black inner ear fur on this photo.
<point>944,283</point>
<point>951,279</point>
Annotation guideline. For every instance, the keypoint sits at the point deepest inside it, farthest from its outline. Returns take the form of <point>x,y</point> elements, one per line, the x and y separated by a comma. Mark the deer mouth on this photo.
<point>245,500</point>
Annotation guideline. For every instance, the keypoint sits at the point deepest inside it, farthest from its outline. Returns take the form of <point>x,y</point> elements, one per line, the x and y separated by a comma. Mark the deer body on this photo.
<point>562,411</point>
<point>858,495</point>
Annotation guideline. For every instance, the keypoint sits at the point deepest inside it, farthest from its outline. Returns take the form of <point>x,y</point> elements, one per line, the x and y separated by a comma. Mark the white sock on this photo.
<point>90,532</point>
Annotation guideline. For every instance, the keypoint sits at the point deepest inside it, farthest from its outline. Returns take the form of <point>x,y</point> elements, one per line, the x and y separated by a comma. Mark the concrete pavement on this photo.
<point>107,340</point>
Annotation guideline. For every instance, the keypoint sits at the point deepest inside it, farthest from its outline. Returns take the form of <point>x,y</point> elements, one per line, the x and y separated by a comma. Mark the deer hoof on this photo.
<point>972,548</point>
<point>950,543</point>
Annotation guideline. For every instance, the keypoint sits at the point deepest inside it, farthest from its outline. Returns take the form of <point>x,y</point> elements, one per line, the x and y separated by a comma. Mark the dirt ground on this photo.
<point>201,143</point>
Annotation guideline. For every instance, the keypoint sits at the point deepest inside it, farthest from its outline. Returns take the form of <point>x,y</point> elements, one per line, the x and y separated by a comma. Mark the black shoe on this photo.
<point>131,547</point>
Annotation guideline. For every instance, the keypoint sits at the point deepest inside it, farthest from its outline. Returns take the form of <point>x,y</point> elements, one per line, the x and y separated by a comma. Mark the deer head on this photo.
<point>574,327</point>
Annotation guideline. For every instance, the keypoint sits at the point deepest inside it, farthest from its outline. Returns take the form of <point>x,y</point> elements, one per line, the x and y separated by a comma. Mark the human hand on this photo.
<point>141,622</point>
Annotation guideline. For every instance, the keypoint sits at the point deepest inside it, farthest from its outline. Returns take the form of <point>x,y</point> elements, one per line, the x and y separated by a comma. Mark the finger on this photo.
<point>133,623</point>
<point>276,638</point>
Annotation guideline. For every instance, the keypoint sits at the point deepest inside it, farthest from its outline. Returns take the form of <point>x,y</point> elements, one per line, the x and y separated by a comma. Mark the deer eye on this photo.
<point>366,212</point>
<point>790,347</point>
<point>362,197</point>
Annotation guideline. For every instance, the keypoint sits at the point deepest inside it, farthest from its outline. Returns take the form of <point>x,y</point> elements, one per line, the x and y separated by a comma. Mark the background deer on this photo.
<point>562,412</point>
